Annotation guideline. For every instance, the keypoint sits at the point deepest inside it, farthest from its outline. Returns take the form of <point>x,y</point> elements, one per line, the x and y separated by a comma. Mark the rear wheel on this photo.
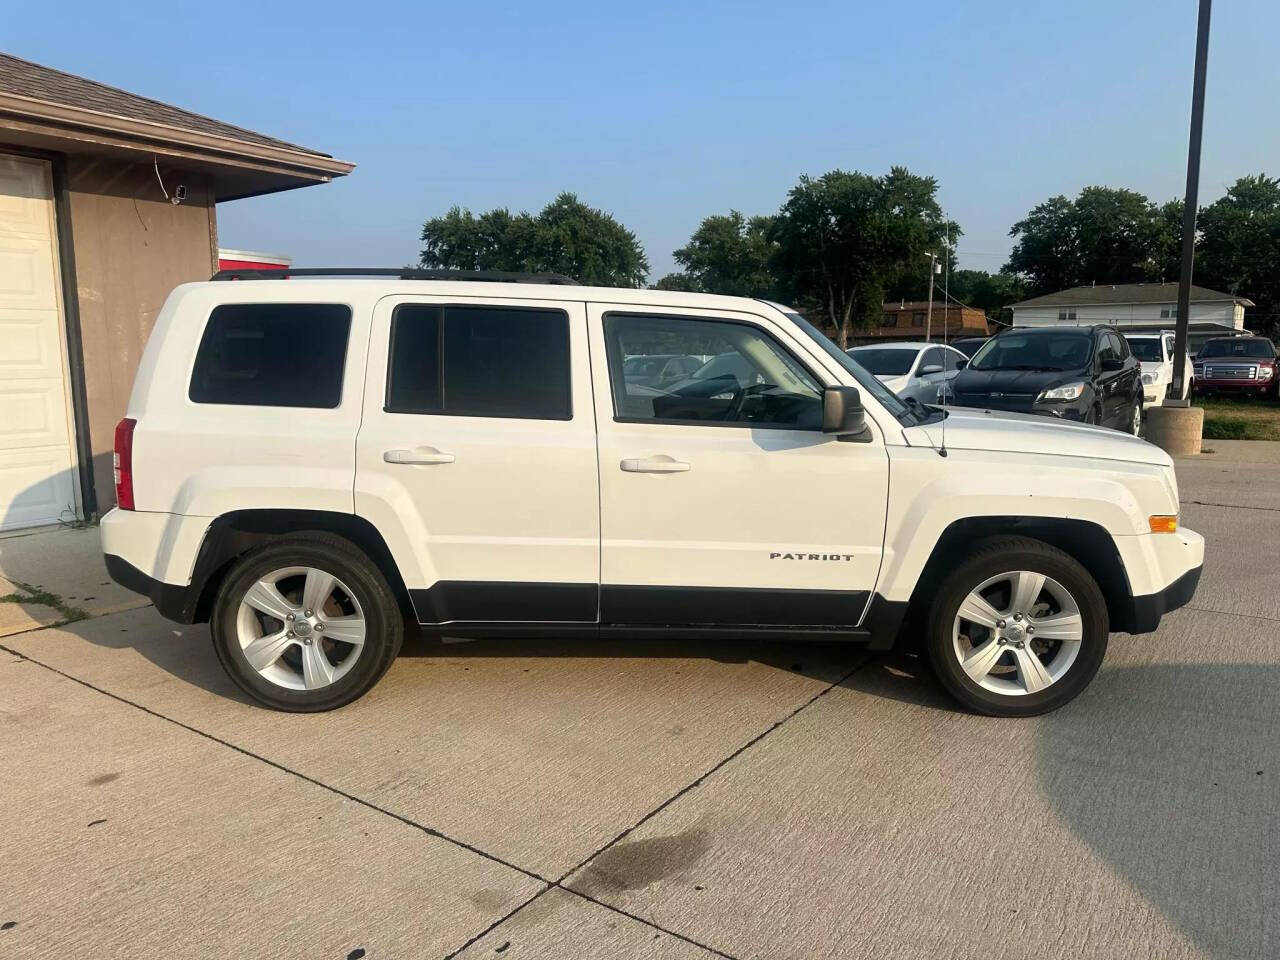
<point>306,624</point>
<point>1135,417</point>
<point>1019,629</point>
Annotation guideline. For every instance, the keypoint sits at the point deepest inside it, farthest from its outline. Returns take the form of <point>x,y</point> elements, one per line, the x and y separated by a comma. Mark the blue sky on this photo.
<point>663,113</point>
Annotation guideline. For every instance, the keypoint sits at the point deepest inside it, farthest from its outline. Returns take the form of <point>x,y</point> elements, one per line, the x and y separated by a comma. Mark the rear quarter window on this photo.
<point>272,355</point>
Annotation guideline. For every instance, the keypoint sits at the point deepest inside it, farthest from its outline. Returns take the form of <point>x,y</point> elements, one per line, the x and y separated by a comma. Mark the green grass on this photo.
<point>1228,419</point>
<point>30,594</point>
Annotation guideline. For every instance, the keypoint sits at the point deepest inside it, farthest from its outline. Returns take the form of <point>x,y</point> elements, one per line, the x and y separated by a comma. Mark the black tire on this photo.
<point>384,624</point>
<point>1132,426</point>
<point>989,559</point>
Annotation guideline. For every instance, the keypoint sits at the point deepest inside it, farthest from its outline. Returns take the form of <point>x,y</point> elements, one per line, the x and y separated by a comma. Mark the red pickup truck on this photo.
<point>1237,365</point>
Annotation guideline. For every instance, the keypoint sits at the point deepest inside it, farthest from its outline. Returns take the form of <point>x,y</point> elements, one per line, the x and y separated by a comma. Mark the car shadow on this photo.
<point>1170,773</point>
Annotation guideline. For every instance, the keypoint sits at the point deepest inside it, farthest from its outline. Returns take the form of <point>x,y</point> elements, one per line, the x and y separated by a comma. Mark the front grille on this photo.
<point>1230,373</point>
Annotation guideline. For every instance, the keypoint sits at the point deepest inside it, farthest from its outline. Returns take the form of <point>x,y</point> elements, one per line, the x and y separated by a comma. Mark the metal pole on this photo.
<point>928,323</point>
<point>1190,206</point>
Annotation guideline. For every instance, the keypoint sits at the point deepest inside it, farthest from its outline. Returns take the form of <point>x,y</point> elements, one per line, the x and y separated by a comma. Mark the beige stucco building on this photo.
<point>107,201</point>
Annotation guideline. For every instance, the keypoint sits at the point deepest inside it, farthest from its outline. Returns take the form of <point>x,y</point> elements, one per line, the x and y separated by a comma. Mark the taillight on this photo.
<point>122,459</point>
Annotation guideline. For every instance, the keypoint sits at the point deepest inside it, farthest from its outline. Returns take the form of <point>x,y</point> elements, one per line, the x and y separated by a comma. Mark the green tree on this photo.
<point>495,240</point>
<point>678,281</point>
<point>1239,247</point>
<point>732,255</point>
<point>843,236</point>
<point>1105,235</point>
<point>567,237</point>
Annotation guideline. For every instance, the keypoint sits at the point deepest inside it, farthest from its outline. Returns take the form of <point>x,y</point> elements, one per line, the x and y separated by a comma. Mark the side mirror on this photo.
<point>843,415</point>
<point>1112,363</point>
<point>961,364</point>
<point>930,368</point>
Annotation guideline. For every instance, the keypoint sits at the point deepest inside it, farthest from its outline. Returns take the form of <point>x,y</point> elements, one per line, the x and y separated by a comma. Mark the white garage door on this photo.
<point>36,470</point>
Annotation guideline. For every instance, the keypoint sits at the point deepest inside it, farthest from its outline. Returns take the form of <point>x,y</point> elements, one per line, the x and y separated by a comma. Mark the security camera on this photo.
<point>179,194</point>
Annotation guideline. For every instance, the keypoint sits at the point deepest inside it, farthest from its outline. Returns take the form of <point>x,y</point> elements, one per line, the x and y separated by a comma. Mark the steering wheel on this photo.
<point>740,398</point>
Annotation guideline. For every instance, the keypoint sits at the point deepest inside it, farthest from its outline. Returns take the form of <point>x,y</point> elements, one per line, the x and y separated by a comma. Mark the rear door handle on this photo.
<point>660,464</point>
<point>424,455</point>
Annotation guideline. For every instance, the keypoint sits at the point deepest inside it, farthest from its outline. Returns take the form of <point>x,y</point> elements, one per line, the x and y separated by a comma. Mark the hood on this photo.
<point>969,428</point>
<point>1013,381</point>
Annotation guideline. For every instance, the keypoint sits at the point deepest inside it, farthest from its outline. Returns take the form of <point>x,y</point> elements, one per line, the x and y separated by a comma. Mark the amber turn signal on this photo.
<point>1161,524</point>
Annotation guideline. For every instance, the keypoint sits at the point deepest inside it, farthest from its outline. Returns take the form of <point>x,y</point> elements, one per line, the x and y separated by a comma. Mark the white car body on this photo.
<point>927,387</point>
<point>595,523</point>
<point>1157,375</point>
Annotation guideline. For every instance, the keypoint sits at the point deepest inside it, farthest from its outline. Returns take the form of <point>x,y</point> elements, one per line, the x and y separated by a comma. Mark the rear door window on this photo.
<point>480,361</point>
<point>272,355</point>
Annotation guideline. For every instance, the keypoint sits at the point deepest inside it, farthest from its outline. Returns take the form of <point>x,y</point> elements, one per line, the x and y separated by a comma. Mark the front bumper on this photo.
<point>1163,570</point>
<point>1259,387</point>
<point>1148,610</point>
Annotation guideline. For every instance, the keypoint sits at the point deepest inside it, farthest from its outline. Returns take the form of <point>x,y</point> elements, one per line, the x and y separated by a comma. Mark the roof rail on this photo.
<point>399,273</point>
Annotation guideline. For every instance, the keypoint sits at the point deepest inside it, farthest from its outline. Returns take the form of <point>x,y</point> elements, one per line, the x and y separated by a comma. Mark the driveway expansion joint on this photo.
<point>430,831</point>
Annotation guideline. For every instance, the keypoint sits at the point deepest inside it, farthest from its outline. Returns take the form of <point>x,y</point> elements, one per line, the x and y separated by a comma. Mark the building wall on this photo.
<point>132,247</point>
<point>1222,312</point>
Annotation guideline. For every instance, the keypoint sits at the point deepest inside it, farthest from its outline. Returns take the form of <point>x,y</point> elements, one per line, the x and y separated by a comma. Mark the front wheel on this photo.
<point>306,624</point>
<point>1018,629</point>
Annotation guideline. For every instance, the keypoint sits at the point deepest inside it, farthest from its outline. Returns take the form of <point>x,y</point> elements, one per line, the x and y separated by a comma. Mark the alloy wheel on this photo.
<point>300,628</point>
<point>1017,633</point>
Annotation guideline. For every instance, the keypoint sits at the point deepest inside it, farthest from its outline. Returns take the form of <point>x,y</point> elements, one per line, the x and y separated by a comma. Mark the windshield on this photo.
<point>725,365</point>
<point>1146,349</point>
<point>644,366</point>
<point>866,381</point>
<point>1239,347</point>
<point>882,361</point>
<point>970,346</point>
<point>1034,351</point>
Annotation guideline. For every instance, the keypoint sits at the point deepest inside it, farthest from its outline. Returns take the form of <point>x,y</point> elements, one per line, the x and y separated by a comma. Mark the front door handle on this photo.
<point>424,455</point>
<point>659,464</point>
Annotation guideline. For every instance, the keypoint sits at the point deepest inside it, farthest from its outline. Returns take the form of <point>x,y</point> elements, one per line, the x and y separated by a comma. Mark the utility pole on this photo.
<point>1190,207</point>
<point>928,323</point>
<point>1176,426</point>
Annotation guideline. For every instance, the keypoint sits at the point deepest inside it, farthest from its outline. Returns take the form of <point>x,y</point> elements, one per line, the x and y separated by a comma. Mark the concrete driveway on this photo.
<point>692,800</point>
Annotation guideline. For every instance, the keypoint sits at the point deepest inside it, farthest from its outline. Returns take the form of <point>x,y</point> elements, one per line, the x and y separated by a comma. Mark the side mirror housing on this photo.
<point>961,364</point>
<point>1112,363</point>
<point>930,368</point>
<point>843,414</point>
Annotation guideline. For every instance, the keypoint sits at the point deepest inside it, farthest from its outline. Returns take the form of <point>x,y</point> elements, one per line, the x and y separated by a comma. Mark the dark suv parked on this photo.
<point>1072,373</point>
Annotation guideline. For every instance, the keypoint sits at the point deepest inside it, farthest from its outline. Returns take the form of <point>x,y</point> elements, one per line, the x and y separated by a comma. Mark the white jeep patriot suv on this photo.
<point>307,461</point>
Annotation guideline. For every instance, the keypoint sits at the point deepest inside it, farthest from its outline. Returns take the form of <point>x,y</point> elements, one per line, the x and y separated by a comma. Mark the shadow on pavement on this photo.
<point>1170,774</point>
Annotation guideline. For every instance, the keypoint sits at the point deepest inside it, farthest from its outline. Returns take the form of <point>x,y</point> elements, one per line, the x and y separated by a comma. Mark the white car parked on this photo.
<point>1154,352</point>
<point>306,463</point>
<point>916,370</point>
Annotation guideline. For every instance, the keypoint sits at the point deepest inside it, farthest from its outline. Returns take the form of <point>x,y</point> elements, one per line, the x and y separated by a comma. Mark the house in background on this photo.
<point>107,202</point>
<point>1134,307</point>
<point>909,320</point>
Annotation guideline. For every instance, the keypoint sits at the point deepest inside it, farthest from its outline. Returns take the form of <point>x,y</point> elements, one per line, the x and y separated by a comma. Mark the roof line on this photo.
<point>51,111</point>
<point>159,103</point>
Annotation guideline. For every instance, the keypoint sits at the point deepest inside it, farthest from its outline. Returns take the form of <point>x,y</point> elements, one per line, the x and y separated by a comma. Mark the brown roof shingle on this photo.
<point>25,79</point>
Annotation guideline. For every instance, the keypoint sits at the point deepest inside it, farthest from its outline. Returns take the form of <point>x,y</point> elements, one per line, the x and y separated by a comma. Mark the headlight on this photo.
<point>1068,391</point>
<point>1266,373</point>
